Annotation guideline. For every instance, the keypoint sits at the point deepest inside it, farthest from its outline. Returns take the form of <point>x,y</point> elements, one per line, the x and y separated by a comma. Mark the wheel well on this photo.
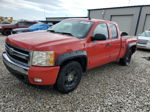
<point>81,60</point>
<point>133,49</point>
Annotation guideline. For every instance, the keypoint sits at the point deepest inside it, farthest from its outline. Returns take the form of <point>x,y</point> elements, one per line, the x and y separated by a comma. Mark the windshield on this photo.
<point>76,28</point>
<point>145,34</point>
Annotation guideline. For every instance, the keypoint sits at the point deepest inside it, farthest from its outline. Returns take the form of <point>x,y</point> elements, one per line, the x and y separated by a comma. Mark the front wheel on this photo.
<point>7,32</point>
<point>126,59</point>
<point>69,77</point>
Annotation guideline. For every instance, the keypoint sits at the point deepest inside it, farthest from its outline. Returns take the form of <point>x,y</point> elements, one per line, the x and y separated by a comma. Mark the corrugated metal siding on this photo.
<point>134,19</point>
<point>147,23</point>
<point>124,22</point>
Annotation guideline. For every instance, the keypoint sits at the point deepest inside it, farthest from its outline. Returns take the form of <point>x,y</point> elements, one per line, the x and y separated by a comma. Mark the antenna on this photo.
<point>44,13</point>
<point>103,14</point>
<point>129,2</point>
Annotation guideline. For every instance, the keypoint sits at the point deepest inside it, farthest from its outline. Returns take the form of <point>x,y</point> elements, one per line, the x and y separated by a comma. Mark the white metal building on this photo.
<point>131,19</point>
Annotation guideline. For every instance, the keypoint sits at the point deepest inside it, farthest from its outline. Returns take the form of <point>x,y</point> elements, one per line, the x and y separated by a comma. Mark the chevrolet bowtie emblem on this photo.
<point>11,51</point>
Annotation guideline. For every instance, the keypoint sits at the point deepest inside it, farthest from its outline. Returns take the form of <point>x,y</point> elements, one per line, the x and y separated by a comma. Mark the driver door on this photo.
<point>99,50</point>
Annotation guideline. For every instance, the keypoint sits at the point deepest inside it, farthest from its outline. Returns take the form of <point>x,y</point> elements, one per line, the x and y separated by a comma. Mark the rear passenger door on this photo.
<point>115,42</point>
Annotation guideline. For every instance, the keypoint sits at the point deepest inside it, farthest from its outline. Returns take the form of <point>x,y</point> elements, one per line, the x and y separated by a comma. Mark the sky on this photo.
<point>40,9</point>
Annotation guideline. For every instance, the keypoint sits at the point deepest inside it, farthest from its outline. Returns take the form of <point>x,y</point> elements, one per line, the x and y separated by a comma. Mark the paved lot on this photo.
<point>109,88</point>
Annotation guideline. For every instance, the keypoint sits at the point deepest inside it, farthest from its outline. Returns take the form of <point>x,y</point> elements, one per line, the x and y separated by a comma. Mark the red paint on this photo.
<point>13,26</point>
<point>47,74</point>
<point>98,54</point>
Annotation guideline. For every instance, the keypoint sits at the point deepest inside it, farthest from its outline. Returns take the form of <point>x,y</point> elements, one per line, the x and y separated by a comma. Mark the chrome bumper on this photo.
<point>14,66</point>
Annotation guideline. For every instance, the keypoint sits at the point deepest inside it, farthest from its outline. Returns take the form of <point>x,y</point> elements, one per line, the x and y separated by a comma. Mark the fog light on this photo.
<point>37,80</point>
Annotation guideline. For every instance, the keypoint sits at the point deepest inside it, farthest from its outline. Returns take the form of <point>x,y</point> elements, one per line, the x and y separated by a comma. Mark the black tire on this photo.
<point>127,58</point>
<point>69,77</point>
<point>7,32</point>
<point>3,33</point>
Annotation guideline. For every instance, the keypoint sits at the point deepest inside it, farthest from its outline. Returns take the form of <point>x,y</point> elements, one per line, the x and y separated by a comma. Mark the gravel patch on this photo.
<point>109,88</point>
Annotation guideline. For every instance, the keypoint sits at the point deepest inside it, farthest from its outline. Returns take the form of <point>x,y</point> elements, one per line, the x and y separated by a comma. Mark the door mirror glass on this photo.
<point>124,34</point>
<point>99,37</point>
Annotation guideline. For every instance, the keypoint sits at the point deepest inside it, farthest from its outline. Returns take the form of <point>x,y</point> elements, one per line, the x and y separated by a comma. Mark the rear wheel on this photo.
<point>69,77</point>
<point>127,58</point>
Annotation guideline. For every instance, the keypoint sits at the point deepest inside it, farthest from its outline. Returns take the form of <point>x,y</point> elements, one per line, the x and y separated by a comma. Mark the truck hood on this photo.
<point>144,38</point>
<point>39,40</point>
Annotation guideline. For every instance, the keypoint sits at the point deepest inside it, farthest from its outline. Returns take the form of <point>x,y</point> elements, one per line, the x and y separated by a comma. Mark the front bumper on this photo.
<point>47,75</point>
<point>144,46</point>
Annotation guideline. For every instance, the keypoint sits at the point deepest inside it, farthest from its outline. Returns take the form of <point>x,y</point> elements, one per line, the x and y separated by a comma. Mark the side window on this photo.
<point>21,24</point>
<point>29,23</point>
<point>101,29</point>
<point>113,30</point>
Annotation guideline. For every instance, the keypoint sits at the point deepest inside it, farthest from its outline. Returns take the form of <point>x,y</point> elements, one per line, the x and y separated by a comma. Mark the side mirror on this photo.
<point>99,37</point>
<point>124,34</point>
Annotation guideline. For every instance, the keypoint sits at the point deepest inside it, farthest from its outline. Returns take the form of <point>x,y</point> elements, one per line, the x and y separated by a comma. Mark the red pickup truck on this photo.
<point>6,29</point>
<point>60,55</point>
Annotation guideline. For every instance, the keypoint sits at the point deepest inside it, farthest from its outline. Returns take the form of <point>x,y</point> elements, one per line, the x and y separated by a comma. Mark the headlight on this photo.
<point>43,58</point>
<point>0,27</point>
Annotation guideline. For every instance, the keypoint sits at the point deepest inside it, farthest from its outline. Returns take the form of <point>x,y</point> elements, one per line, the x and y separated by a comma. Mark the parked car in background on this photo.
<point>34,27</point>
<point>6,29</point>
<point>144,40</point>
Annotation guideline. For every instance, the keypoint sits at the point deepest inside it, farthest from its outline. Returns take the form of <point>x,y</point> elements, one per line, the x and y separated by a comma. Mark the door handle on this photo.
<point>107,45</point>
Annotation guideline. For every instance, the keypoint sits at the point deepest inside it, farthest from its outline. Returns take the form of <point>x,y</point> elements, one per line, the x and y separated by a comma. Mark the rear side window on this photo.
<point>101,29</point>
<point>113,30</point>
<point>21,24</point>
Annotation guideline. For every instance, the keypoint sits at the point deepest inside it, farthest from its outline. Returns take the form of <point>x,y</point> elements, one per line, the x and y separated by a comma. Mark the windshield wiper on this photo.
<point>53,31</point>
<point>65,33</point>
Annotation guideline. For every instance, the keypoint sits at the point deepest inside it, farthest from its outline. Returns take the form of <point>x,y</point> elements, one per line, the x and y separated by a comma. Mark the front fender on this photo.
<point>71,55</point>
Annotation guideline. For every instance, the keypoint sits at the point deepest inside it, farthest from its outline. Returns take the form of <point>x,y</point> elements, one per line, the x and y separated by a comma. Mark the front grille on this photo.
<point>141,41</point>
<point>16,54</point>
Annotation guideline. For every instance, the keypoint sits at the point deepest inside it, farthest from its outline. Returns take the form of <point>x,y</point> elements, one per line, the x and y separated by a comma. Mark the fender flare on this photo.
<point>130,46</point>
<point>69,56</point>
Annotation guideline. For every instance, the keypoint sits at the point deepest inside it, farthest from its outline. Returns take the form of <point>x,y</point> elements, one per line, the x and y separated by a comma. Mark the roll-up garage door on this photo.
<point>147,23</point>
<point>124,22</point>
